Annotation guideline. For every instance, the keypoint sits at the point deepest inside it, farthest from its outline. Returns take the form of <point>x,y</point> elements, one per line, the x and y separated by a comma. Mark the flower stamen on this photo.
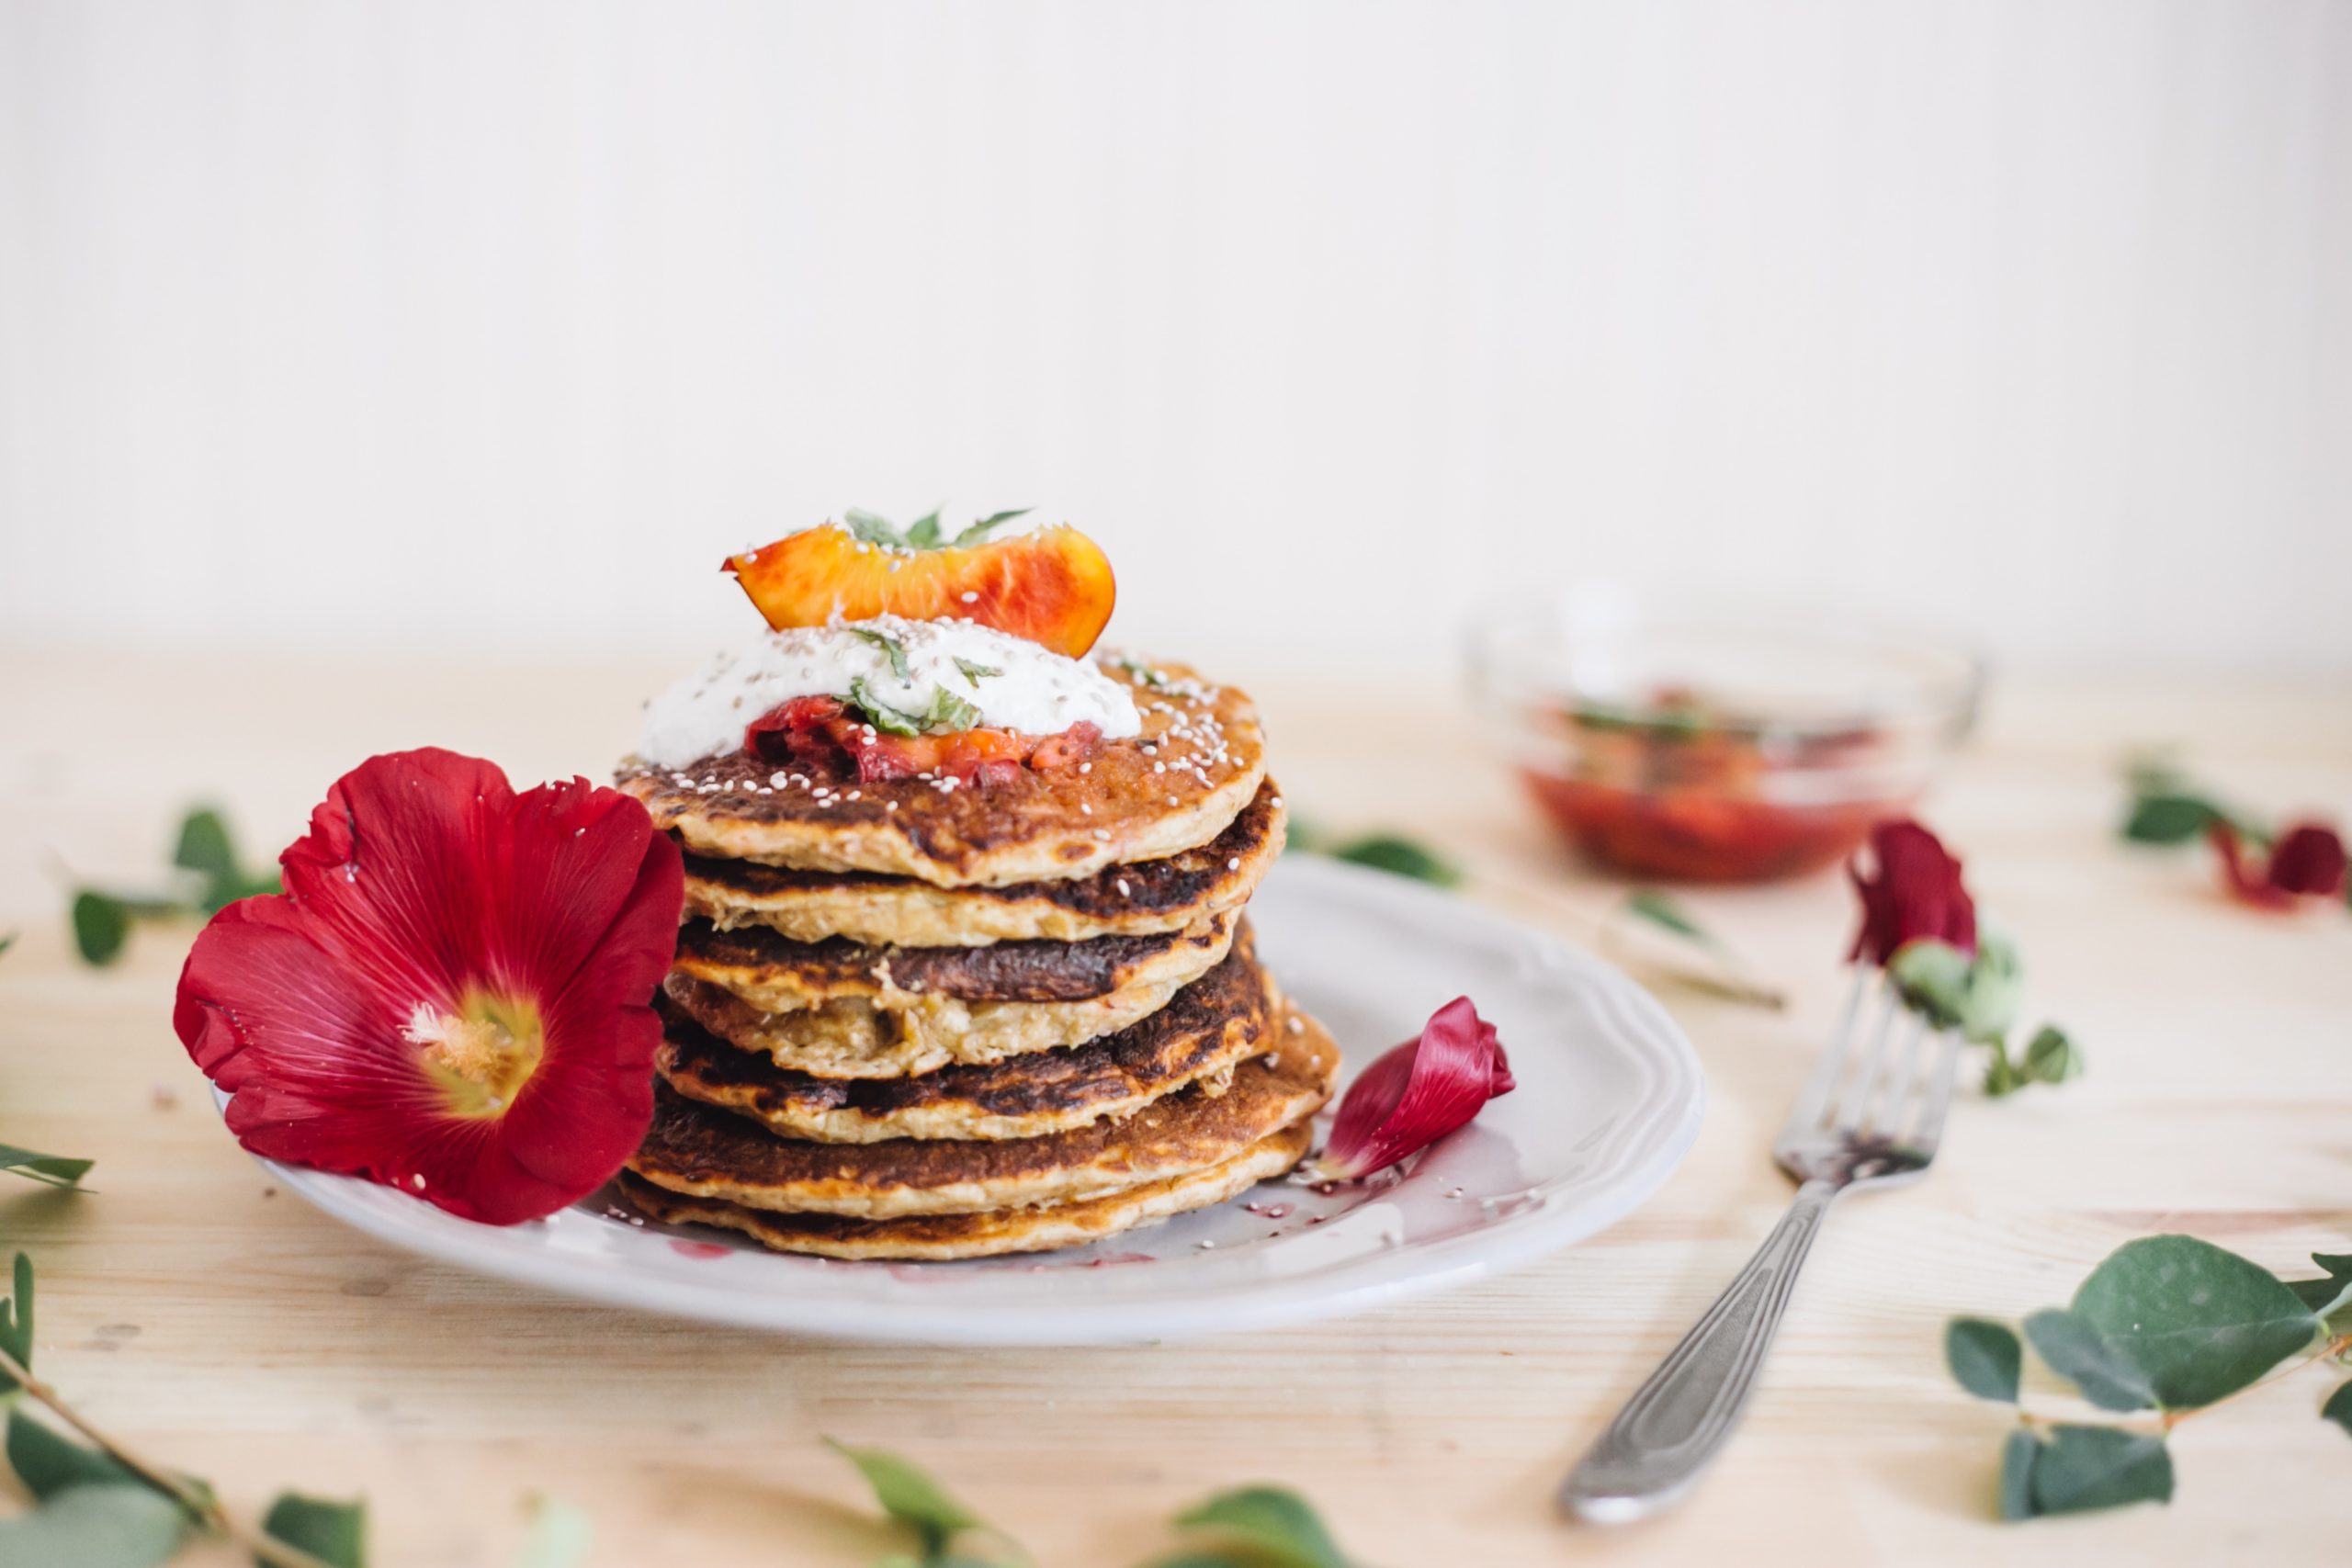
<point>481,1054</point>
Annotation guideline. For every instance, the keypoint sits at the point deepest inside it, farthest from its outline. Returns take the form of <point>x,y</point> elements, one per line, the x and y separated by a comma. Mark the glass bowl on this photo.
<point>1717,742</point>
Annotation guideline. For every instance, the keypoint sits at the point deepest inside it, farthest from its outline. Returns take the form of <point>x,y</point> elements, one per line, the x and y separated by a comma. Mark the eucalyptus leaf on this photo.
<point>986,525</point>
<point>49,1462</point>
<point>1977,995</point>
<point>56,1170</point>
<point>909,1496</point>
<point>2338,1407</point>
<point>2018,1457</point>
<point>334,1533</point>
<point>2051,1057</point>
<point>1649,904</point>
<point>2170,818</point>
<point>2076,1350</point>
<point>888,645</point>
<point>1984,1357</point>
<point>2199,1322</point>
<point>561,1536</point>
<point>205,847</point>
<point>108,1526</point>
<point>16,1323</point>
<point>101,926</point>
<point>2081,1469</point>
<point>1278,1527</point>
<point>2330,1296</point>
<point>7,942</point>
<point>1400,856</point>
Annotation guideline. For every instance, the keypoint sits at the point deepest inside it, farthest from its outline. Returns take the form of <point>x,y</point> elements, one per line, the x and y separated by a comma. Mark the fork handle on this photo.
<point>1674,1424</point>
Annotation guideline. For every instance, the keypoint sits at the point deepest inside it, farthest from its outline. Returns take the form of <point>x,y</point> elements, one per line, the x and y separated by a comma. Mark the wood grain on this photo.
<point>227,1327</point>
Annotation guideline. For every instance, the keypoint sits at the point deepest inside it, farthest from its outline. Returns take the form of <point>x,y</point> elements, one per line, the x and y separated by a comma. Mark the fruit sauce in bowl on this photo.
<point>1697,742</point>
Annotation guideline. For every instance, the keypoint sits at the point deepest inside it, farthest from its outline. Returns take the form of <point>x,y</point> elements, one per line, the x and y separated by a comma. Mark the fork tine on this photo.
<point>1804,1116</point>
<point>1888,1110</point>
<point>1846,1116</point>
<point>1938,1092</point>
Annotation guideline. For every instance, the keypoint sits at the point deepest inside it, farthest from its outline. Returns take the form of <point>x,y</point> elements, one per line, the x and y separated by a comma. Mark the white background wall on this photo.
<point>458,324</point>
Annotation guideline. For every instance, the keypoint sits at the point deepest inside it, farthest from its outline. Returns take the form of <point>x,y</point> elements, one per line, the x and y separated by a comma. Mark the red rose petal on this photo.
<point>1917,893</point>
<point>1418,1093</point>
<point>2307,861</point>
<point>426,885</point>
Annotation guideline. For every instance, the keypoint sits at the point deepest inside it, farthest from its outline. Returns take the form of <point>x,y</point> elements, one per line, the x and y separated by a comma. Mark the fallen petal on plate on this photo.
<point>1417,1093</point>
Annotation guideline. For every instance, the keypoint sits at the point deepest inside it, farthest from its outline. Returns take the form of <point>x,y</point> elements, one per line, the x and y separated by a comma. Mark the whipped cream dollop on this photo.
<point>1013,683</point>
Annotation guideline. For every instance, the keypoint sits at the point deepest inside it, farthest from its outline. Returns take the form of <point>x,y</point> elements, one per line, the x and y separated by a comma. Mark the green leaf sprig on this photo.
<point>210,875</point>
<point>924,532</point>
<point>1256,1526</point>
<point>1727,975</point>
<point>54,1170</point>
<point>1980,996</point>
<point>940,1524</point>
<point>1392,852</point>
<point>2168,807</point>
<point>889,644</point>
<point>2168,1325</point>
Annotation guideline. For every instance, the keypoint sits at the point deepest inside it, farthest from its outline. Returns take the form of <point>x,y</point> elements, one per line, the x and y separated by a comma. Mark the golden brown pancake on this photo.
<point>1199,1036</point>
<point>778,975</point>
<point>942,1237</point>
<point>705,1152</point>
<point>1198,761</point>
<point>1136,898</point>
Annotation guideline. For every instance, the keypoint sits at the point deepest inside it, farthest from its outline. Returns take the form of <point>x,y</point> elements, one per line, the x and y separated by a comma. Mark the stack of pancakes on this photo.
<point>917,1019</point>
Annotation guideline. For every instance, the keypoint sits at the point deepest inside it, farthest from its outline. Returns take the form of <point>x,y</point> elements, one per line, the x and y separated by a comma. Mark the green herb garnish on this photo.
<point>879,714</point>
<point>924,532</point>
<point>976,673</point>
<point>950,712</point>
<point>887,644</point>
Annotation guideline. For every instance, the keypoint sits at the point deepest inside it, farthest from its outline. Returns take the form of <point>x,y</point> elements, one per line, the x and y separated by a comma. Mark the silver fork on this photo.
<point>1868,1117</point>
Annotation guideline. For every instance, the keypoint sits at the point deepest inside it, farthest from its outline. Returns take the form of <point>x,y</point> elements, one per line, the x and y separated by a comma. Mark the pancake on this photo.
<point>1137,898</point>
<point>896,1033</point>
<point>705,1152</point>
<point>944,1238</point>
<point>776,975</point>
<point>1199,1036</point>
<point>1198,761</point>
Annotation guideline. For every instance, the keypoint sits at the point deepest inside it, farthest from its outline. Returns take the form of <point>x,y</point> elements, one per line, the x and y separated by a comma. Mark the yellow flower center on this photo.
<point>480,1055</point>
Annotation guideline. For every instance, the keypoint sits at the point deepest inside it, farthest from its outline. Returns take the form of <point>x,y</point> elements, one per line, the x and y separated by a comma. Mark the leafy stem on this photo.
<point>196,1501</point>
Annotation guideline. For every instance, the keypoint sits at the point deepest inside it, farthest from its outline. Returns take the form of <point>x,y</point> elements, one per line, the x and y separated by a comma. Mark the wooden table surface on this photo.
<point>229,1329</point>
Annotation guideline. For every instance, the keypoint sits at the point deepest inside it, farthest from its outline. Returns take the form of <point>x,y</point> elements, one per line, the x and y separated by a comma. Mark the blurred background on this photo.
<point>452,327</point>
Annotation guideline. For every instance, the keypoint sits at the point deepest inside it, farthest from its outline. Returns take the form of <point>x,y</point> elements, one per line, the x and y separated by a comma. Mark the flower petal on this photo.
<point>424,887</point>
<point>2307,861</point>
<point>2244,883</point>
<point>1917,893</point>
<point>1417,1093</point>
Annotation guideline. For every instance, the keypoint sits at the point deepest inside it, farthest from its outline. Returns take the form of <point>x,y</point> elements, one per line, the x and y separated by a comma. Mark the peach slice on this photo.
<point>1053,586</point>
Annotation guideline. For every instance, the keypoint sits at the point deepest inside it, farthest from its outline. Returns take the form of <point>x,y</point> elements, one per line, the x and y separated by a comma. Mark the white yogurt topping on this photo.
<point>1040,692</point>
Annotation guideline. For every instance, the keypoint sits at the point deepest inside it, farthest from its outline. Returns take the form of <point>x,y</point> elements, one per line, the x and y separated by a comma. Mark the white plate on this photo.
<point>1609,1098</point>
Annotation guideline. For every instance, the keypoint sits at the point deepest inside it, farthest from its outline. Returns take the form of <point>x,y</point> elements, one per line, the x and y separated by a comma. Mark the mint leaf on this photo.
<point>2170,818</point>
<point>887,644</point>
<point>1399,857</point>
<point>108,1526</point>
<point>973,672</point>
<point>922,533</point>
<point>2085,1468</point>
<point>16,1323</point>
<point>1270,1524</point>
<point>561,1536</point>
<point>2018,1456</point>
<point>2338,1407</point>
<point>874,528</point>
<point>1138,669</point>
<point>879,714</point>
<point>2198,1322</point>
<point>54,1169</point>
<point>910,1496</point>
<point>333,1532</point>
<point>2051,1057</point>
<point>949,711</point>
<point>2076,1350</point>
<point>981,530</point>
<point>1654,906</point>
<point>1984,1357</point>
<point>101,925</point>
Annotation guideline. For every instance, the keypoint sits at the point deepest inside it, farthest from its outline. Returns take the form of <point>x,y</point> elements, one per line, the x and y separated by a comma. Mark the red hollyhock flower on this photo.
<point>2307,861</point>
<point>1917,893</point>
<point>451,995</point>
<point>1418,1093</point>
